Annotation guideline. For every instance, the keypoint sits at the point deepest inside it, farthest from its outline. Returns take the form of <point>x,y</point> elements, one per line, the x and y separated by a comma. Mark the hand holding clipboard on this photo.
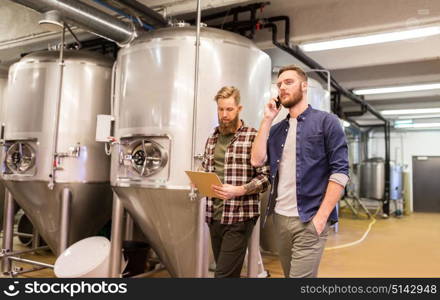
<point>203,182</point>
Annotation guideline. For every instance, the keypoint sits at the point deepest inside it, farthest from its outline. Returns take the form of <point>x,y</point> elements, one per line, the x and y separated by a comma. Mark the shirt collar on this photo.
<point>302,115</point>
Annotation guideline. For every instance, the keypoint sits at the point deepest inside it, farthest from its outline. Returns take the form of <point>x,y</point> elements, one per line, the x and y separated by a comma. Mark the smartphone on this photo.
<point>278,102</point>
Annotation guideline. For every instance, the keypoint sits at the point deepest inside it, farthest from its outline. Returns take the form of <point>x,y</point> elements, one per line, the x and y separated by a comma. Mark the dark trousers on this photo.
<point>229,243</point>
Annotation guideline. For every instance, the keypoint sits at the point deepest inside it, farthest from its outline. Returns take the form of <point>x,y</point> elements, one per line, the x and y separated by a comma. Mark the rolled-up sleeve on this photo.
<point>339,178</point>
<point>260,182</point>
<point>336,146</point>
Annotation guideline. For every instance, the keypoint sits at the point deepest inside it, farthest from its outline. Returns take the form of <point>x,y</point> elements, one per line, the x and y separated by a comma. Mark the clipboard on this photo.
<point>203,182</point>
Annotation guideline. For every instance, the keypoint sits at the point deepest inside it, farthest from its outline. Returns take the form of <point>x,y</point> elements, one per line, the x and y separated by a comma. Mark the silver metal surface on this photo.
<point>87,17</point>
<point>34,249</point>
<point>154,95</point>
<point>116,238</point>
<point>90,208</point>
<point>8,231</point>
<point>31,103</point>
<point>57,110</point>
<point>2,202</point>
<point>372,178</point>
<point>3,83</point>
<point>202,241</point>
<point>254,252</point>
<point>169,221</point>
<point>160,100</point>
<point>31,262</point>
<point>66,203</point>
<point>30,108</point>
<point>196,87</point>
<point>354,150</point>
<point>128,228</point>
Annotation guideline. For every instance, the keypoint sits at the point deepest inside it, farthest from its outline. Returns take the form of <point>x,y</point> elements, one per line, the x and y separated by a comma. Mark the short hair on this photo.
<point>226,92</point>
<point>295,68</point>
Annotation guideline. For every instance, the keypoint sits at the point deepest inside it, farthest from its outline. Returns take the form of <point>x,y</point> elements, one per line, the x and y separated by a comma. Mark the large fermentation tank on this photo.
<point>372,178</point>
<point>31,131</point>
<point>154,95</point>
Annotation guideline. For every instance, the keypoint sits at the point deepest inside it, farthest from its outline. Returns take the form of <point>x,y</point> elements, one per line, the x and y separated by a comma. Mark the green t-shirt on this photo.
<point>223,142</point>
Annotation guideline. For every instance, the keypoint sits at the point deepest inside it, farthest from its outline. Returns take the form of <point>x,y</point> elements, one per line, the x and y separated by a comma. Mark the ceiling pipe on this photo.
<point>156,19</point>
<point>86,17</point>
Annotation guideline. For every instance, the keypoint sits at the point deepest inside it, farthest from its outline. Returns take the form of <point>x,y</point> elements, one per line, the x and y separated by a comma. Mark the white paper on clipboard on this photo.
<point>203,182</point>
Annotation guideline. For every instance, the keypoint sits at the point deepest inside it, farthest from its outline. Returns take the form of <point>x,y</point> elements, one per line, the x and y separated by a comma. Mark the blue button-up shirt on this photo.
<point>321,150</point>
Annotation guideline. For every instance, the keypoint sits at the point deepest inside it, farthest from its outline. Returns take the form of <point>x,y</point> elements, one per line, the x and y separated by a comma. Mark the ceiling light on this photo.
<point>410,111</point>
<point>371,39</point>
<point>430,116</point>
<point>398,89</point>
<point>401,122</point>
<point>418,125</point>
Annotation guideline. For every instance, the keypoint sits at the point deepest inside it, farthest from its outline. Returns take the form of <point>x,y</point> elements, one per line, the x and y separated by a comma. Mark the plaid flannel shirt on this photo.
<point>238,171</point>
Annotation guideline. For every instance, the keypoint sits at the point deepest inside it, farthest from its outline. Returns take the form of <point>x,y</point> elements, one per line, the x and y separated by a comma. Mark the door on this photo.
<point>426,183</point>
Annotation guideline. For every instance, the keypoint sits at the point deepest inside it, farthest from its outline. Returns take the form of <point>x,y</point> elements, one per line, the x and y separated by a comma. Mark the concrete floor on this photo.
<point>406,247</point>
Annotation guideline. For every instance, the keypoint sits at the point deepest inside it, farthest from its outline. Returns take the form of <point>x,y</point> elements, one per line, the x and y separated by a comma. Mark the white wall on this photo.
<point>413,143</point>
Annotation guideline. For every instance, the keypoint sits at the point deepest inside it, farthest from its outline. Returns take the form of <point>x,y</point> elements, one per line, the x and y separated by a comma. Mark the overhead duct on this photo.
<point>155,18</point>
<point>87,17</point>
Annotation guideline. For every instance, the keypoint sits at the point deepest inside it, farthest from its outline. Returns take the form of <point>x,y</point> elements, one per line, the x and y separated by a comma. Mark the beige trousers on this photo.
<point>299,245</point>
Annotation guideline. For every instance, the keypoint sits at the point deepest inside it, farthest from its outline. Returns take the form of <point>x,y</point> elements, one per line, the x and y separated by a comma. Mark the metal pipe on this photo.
<point>386,203</point>
<point>123,14</point>
<point>202,259</point>
<point>8,230</point>
<point>196,86</point>
<point>66,202</point>
<point>31,262</point>
<point>74,36</point>
<point>116,238</point>
<point>128,234</point>
<point>31,235</point>
<point>24,251</point>
<point>57,112</point>
<point>157,19</point>
<point>35,238</point>
<point>15,273</point>
<point>363,111</point>
<point>232,11</point>
<point>87,17</point>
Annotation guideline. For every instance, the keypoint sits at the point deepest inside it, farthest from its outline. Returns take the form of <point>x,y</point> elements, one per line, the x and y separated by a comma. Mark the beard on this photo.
<point>294,100</point>
<point>228,127</point>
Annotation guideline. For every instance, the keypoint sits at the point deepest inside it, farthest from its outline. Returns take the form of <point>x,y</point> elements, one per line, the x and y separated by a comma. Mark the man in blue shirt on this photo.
<point>307,155</point>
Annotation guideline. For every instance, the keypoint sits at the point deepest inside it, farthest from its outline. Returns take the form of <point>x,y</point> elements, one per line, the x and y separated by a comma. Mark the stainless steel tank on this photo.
<point>35,178</point>
<point>154,94</point>
<point>317,96</point>
<point>354,150</point>
<point>372,178</point>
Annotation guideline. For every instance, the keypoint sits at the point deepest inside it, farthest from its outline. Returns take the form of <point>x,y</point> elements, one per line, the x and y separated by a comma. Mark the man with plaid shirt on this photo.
<point>232,215</point>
